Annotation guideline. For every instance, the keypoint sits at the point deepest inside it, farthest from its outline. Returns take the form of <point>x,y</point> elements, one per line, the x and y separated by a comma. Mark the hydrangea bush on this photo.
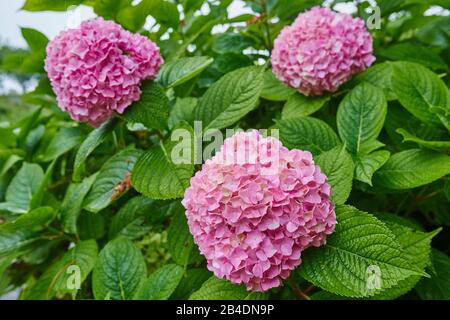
<point>176,150</point>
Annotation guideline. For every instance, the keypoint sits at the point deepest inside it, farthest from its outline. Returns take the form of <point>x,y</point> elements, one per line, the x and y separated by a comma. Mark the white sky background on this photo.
<point>50,23</point>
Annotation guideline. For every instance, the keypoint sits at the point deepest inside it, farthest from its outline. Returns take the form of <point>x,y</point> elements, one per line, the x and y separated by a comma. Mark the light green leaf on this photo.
<point>360,241</point>
<point>110,8</point>
<point>64,141</point>
<point>307,133</point>
<point>9,139</point>
<point>161,284</point>
<point>49,5</point>
<point>164,171</point>
<point>437,287</point>
<point>361,116</point>
<point>433,145</point>
<point>35,39</point>
<point>367,165</point>
<point>300,106</point>
<point>218,289</point>
<point>230,98</point>
<point>152,110</point>
<point>182,70</point>
<point>24,185</point>
<point>72,203</point>
<point>412,168</point>
<point>164,12</point>
<point>418,89</point>
<point>338,166</point>
<point>93,140</point>
<point>275,90</point>
<point>112,180</point>
<point>119,272</point>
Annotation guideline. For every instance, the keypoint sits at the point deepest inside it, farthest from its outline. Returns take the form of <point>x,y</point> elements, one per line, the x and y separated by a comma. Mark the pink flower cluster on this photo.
<point>321,50</point>
<point>251,223</point>
<point>96,69</point>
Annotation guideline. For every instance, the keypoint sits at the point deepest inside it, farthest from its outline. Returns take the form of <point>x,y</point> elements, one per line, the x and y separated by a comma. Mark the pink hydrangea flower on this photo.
<point>321,50</point>
<point>96,69</point>
<point>252,222</point>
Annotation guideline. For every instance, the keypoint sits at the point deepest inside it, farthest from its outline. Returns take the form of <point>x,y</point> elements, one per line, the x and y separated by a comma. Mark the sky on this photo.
<point>51,23</point>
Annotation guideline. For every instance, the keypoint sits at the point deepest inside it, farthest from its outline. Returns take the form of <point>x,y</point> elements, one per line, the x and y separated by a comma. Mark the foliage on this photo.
<point>107,200</point>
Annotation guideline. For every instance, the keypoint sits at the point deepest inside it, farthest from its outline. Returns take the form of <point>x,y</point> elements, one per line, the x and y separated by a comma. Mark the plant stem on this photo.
<point>299,293</point>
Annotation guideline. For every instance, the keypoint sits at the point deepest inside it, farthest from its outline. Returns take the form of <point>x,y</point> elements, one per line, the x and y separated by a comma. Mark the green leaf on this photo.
<point>93,140</point>
<point>361,116</point>
<point>38,196</point>
<point>230,98</point>
<point>414,53</point>
<point>412,168</point>
<point>338,166</point>
<point>152,110</point>
<point>379,75</point>
<point>418,89</point>
<point>164,12</point>
<point>64,141</point>
<point>35,220</point>
<point>161,284</point>
<point>180,241</point>
<point>367,165</point>
<point>49,5</point>
<point>9,139</point>
<point>112,180</point>
<point>437,287</point>
<point>60,278</point>
<point>447,189</point>
<point>182,70</point>
<point>300,106</point>
<point>307,133</point>
<point>110,8</point>
<point>275,90</point>
<point>218,289</point>
<point>129,222</point>
<point>360,241</point>
<point>433,145</point>
<point>163,173</point>
<point>24,185</point>
<point>35,39</point>
<point>232,42</point>
<point>182,110</point>
<point>119,272</point>
<point>73,202</point>
<point>191,282</point>
<point>8,164</point>
<point>417,247</point>
<point>16,235</point>
<point>91,226</point>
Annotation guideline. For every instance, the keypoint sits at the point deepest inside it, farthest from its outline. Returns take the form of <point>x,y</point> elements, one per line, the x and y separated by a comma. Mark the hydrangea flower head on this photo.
<point>321,50</point>
<point>255,206</point>
<point>96,69</point>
